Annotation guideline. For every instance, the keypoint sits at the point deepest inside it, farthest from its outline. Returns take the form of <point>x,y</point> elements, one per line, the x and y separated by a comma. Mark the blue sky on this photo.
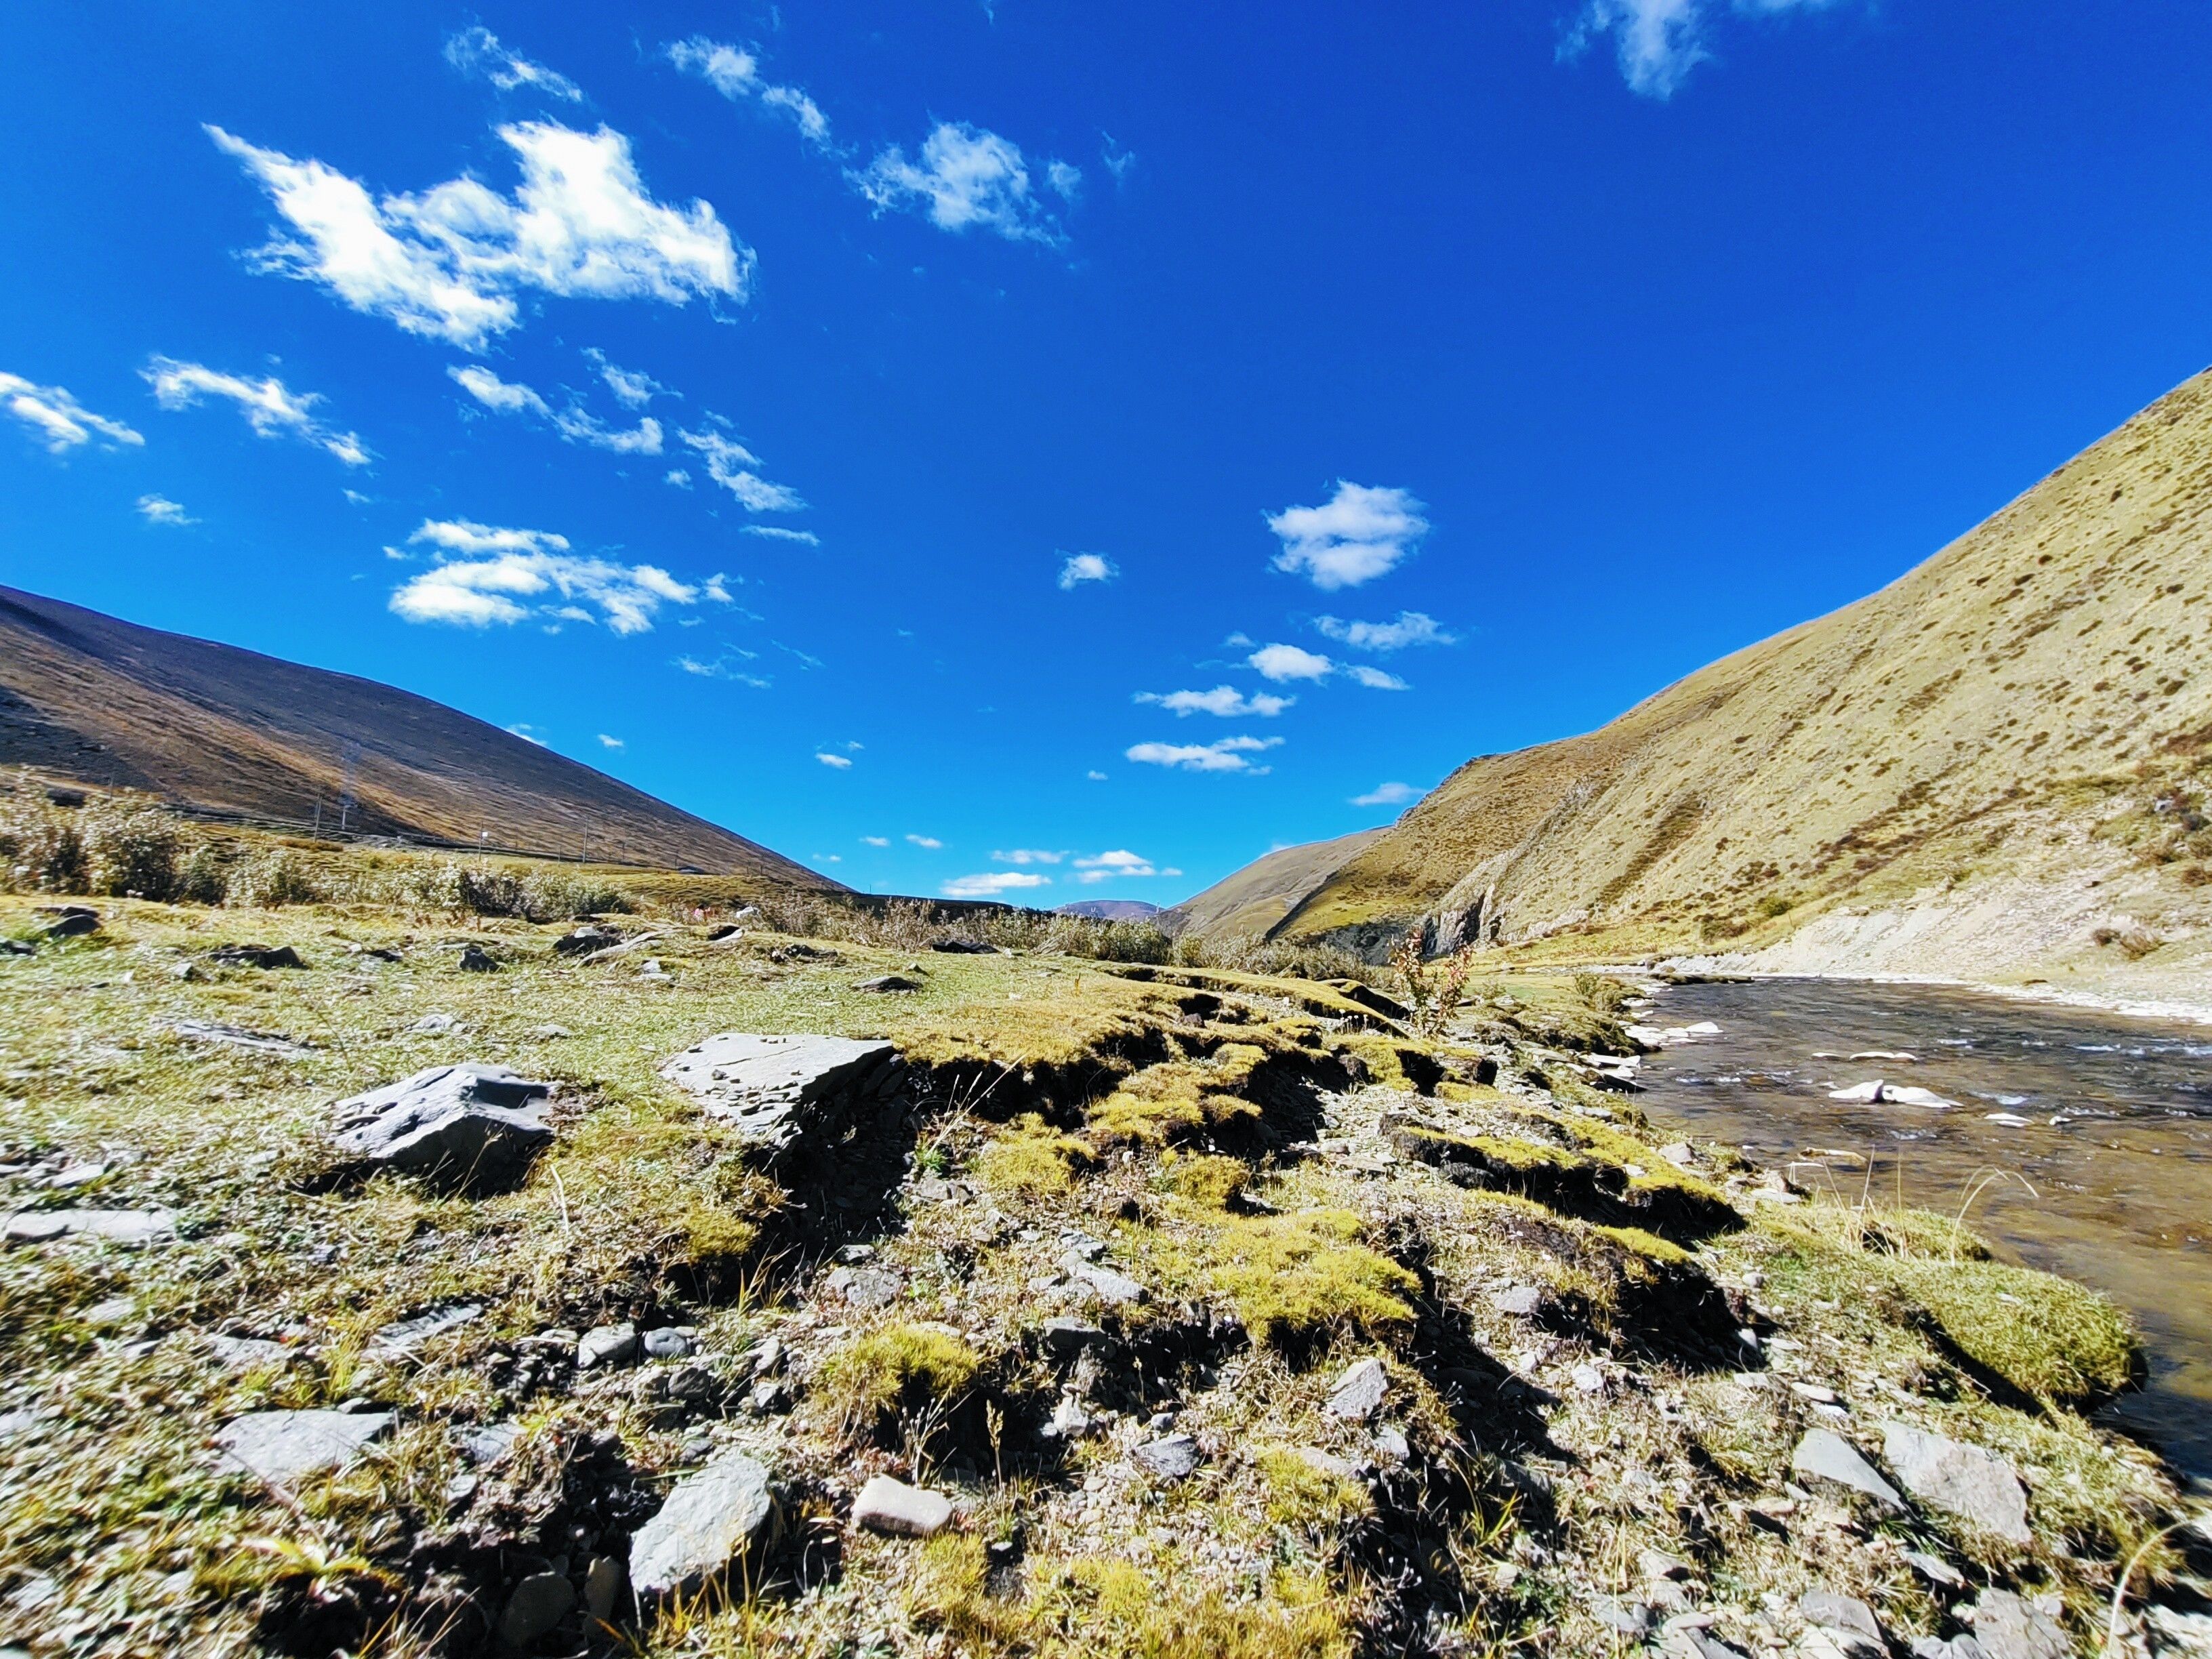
<point>1064,450</point>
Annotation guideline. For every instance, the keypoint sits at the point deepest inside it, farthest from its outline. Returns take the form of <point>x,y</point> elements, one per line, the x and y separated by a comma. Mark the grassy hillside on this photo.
<point>1991,762</point>
<point>1253,900</point>
<point>85,696</point>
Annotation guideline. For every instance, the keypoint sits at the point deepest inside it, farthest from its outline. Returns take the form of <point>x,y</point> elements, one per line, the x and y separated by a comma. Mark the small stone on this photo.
<point>1358,1392</point>
<point>247,1353</point>
<point>1935,1569</point>
<point>602,1584</point>
<point>539,1603</point>
<point>405,1335</point>
<point>549,1033</point>
<point>435,1025</point>
<point>116,1226</point>
<point>1328,1464</point>
<point>1070,1421</point>
<point>281,1446</point>
<point>1629,1618</point>
<point>1066,1338</point>
<point>475,959</point>
<point>1391,1443</point>
<point>1831,1457</point>
<point>1847,1618</point>
<point>607,1345</point>
<point>1657,1564</point>
<point>72,921</point>
<point>889,983</point>
<point>1108,1286</point>
<point>1176,1457</point>
<point>115,1311</point>
<point>1587,1379</point>
<point>669,1342</point>
<point>1963,1479</point>
<point>2008,1627</point>
<point>1827,1396</point>
<point>710,1517</point>
<point>868,1287</point>
<point>462,1487</point>
<point>487,1442</point>
<point>76,1175</point>
<point>891,1506</point>
<point>1522,1301</point>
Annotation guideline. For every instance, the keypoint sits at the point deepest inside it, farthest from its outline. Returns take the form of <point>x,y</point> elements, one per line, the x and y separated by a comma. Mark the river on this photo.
<point>2116,1142</point>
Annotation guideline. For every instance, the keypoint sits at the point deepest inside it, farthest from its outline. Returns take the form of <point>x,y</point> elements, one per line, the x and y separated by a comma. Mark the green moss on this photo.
<point>900,1368</point>
<point>1302,1496</point>
<point>1033,1159</point>
<point>1207,1180</point>
<point>712,1236</point>
<point>1297,1277</point>
<point>1646,1244</point>
<point>1177,1098</point>
<point>2050,1337</point>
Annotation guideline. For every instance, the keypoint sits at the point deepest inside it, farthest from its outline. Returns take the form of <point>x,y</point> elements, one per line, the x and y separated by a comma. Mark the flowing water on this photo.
<point>2116,1142</point>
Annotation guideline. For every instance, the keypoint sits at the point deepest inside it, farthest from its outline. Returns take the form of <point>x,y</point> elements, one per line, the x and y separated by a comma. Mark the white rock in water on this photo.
<point>1703,1028</point>
<point>1963,1479</point>
<point>281,1446</point>
<point>1860,1094</point>
<point>1912,1095</point>
<point>892,1506</point>
<point>709,1519</point>
<point>2009,1120</point>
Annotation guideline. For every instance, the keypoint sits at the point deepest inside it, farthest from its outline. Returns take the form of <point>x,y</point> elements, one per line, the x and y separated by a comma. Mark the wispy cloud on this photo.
<point>777,533</point>
<point>527,732</point>
<point>836,762</point>
<point>1387,794</point>
<point>875,840</point>
<point>1118,160</point>
<point>1410,628</point>
<point>271,408</point>
<point>633,388</point>
<point>730,464</point>
<point>575,425</point>
<point>927,843</point>
<point>1119,862</point>
<point>1358,534</point>
<point>736,74</point>
<point>1225,701</point>
<point>450,261</point>
<point>477,51</point>
<point>493,575</point>
<point>725,667</point>
<point>1374,678</point>
<point>1659,42</point>
<point>160,509</point>
<point>991,883</point>
<point>1081,568</point>
<point>606,742</point>
<point>1028,855</point>
<point>1229,754</point>
<point>58,419</point>
<point>1286,663</point>
<point>964,178</point>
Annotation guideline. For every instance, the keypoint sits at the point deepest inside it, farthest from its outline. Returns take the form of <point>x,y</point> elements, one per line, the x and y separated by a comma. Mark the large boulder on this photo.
<point>779,1090</point>
<point>462,1123</point>
<point>710,1519</point>
<point>1968,1482</point>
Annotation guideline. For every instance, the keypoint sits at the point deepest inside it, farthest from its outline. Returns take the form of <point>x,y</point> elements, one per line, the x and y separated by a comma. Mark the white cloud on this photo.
<point>1118,160</point>
<point>450,262</point>
<point>160,509</point>
<point>927,843</point>
<point>1028,855</point>
<point>1064,177</point>
<point>777,533</point>
<point>575,425</point>
<point>875,840</point>
<point>1225,756</point>
<point>735,73</point>
<point>1119,862</point>
<point>730,464</point>
<point>1239,641</point>
<point>1412,628</point>
<point>723,668</point>
<point>838,763</point>
<point>504,577</point>
<point>1387,794</point>
<point>633,388</point>
<point>1094,775</point>
<point>57,418</point>
<point>1658,42</point>
<point>1082,568</point>
<point>527,732</point>
<point>506,396</point>
<point>828,858</point>
<point>992,883</point>
<point>1360,533</point>
<point>678,476</point>
<point>964,176</point>
<point>1374,678</point>
<point>606,742</point>
<point>1225,701</point>
<point>1281,663</point>
<point>271,408</point>
<point>477,51</point>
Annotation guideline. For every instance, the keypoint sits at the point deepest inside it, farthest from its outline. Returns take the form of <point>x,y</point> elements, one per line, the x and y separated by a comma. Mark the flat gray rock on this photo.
<point>777,1089</point>
<point>461,1120</point>
<point>405,1335</point>
<point>2006,1626</point>
<point>487,1442</point>
<point>1964,1481</point>
<point>1064,1337</point>
<point>1845,1618</point>
<point>607,1345</point>
<point>237,1037</point>
<point>116,1226</point>
<point>1104,1282</point>
<point>246,1353</point>
<point>1358,1392</point>
<point>1522,1301</point>
<point>669,1342</point>
<point>1829,1456</point>
<point>1174,1458</point>
<point>539,1602</point>
<point>709,1519</point>
<point>282,1446</point>
<point>891,1506</point>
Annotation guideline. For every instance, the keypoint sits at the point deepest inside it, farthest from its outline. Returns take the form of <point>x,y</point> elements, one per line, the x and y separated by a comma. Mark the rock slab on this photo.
<point>282,1446</point>
<point>2007,1626</point>
<point>1358,1392</point>
<point>1174,1458</point>
<point>1964,1481</point>
<point>461,1120</point>
<point>778,1090</point>
<point>709,1519</point>
<point>887,1505</point>
<point>1829,1456</point>
<point>116,1226</point>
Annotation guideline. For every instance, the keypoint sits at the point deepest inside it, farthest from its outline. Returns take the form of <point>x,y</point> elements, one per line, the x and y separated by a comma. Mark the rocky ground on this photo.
<point>684,1289</point>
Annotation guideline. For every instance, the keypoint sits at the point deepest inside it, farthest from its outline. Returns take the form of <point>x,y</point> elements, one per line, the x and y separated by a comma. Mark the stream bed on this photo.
<point>2116,1141</point>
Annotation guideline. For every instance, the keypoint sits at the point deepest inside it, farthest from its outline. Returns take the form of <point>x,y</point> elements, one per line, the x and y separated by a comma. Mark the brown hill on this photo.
<point>1253,901</point>
<point>1994,765</point>
<point>86,696</point>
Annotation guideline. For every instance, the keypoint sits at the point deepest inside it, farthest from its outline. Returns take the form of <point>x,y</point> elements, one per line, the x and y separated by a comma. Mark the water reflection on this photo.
<point>2110,1119</point>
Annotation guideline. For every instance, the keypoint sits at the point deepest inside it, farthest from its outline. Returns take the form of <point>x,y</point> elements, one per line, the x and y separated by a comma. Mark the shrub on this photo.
<point>205,877</point>
<point>41,847</point>
<point>560,895</point>
<point>272,880</point>
<point>130,849</point>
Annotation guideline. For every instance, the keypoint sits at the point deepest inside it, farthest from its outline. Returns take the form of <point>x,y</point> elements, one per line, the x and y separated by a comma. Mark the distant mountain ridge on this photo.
<point>108,702</point>
<point>1111,909</point>
<point>1996,764</point>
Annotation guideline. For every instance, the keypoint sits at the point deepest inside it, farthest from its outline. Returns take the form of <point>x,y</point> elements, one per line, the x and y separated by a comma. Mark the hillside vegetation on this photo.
<point>86,697</point>
<point>1996,766</point>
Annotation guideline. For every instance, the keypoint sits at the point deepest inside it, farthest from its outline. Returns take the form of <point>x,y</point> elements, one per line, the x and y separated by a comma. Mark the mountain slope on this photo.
<point>1979,768</point>
<point>105,702</point>
<point>1253,900</point>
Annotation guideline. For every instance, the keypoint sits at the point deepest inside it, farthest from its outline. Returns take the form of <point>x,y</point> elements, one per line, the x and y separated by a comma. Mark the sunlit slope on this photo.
<point>2014,709</point>
<point>87,696</point>
<point>1250,903</point>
